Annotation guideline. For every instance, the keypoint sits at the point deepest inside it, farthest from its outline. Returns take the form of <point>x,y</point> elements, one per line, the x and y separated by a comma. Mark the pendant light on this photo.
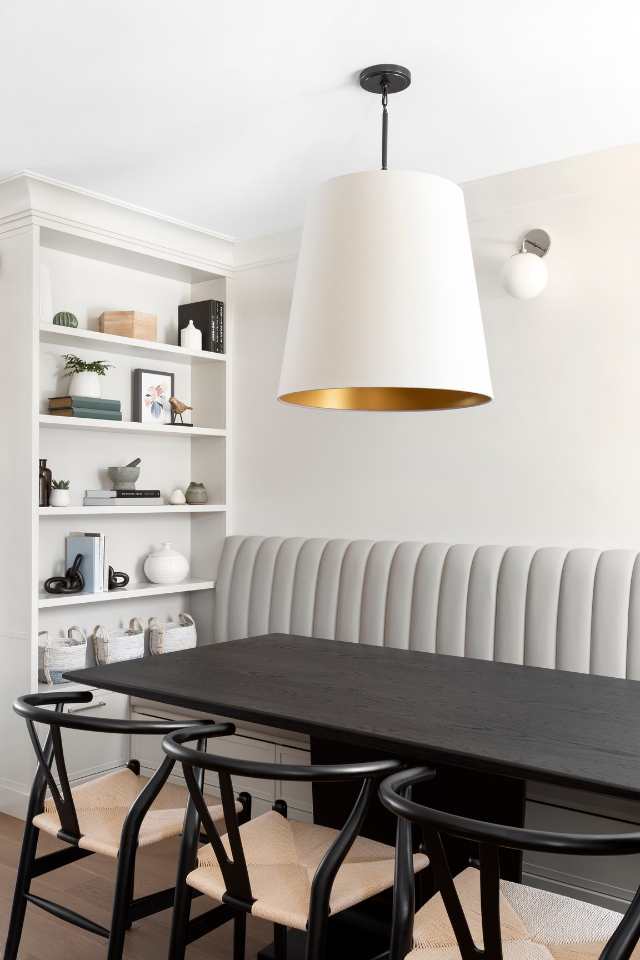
<point>385,312</point>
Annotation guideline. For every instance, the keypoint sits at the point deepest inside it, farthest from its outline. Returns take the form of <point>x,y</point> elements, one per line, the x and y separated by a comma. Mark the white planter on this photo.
<point>166,565</point>
<point>59,498</point>
<point>85,384</point>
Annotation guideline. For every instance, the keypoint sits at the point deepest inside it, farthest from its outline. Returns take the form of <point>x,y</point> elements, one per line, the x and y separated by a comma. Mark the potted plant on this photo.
<point>60,495</point>
<point>85,375</point>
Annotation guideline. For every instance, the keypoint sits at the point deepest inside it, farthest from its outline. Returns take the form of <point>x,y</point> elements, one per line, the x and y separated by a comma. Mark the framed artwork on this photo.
<point>151,392</point>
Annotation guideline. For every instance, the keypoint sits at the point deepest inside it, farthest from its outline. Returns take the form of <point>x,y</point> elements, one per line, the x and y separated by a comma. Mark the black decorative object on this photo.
<point>117,579</point>
<point>44,478</point>
<point>208,318</point>
<point>72,582</point>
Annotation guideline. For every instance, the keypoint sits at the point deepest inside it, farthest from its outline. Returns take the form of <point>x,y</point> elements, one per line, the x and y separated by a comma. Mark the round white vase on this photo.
<point>59,498</point>
<point>177,497</point>
<point>85,384</point>
<point>191,337</point>
<point>166,565</point>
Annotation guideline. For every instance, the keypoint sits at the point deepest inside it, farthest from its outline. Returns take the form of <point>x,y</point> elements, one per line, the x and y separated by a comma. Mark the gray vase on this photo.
<point>196,493</point>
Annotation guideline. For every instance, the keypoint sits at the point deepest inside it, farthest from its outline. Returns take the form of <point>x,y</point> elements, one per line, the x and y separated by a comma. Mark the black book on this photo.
<point>208,318</point>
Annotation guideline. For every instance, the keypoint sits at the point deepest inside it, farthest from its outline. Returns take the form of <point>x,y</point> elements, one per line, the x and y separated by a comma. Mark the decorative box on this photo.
<point>58,655</point>
<point>129,323</point>
<point>169,637</point>
<point>112,647</point>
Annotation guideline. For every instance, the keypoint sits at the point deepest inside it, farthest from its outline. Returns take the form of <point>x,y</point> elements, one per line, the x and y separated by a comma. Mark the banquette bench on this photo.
<point>563,609</point>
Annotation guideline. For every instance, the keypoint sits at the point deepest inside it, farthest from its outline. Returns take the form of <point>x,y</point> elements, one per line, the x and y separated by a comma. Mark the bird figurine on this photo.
<point>177,409</point>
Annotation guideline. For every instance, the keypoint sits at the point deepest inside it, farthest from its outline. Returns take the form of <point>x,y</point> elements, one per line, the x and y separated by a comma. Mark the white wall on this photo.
<point>554,459</point>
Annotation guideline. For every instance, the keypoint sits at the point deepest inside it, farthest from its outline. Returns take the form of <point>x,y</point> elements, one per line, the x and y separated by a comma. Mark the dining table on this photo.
<point>486,727</point>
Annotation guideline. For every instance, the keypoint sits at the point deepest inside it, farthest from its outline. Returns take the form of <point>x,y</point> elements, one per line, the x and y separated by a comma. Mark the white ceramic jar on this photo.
<point>191,337</point>
<point>85,384</point>
<point>166,565</point>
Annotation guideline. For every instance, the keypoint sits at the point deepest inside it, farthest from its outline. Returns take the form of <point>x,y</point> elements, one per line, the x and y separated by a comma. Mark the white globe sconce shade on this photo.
<point>525,275</point>
<point>385,312</point>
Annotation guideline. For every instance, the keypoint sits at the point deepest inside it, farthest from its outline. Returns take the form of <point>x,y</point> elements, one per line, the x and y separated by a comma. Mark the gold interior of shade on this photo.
<point>385,398</point>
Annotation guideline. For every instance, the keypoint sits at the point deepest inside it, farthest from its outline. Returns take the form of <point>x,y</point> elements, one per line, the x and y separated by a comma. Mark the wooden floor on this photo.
<point>87,886</point>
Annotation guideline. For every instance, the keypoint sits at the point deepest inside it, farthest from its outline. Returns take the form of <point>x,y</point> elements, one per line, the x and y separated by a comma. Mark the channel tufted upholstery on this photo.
<point>575,609</point>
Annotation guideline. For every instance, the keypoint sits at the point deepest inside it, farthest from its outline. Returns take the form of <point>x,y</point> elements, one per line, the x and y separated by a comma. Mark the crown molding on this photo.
<point>105,198</point>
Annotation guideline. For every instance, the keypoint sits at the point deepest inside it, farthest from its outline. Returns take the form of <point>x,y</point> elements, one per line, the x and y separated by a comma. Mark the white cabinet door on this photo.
<point>88,754</point>
<point>297,793</point>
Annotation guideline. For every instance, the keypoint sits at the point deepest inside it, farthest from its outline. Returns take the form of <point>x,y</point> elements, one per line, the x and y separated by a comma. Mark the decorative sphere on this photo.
<point>524,276</point>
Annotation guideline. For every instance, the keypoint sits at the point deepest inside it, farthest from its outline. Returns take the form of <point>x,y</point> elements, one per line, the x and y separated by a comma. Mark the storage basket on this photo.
<point>169,637</point>
<point>112,647</point>
<point>59,654</point>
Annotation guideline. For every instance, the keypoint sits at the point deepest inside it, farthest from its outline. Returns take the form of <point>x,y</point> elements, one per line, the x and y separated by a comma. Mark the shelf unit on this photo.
<point>96,255</point>
<point>54,513</point>
<point>128,426</point>
<point>134,591</point>
<point>77,338</point>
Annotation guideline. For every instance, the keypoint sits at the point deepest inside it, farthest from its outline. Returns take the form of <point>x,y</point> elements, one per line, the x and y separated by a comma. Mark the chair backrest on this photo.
<point>395,793</point>
<point>50,755</point>
<point>234,867</point>
<point>568,609</point>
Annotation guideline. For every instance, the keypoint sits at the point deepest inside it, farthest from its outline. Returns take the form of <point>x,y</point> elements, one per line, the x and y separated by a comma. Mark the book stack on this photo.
<point>92,407</point>
<point>122,498</point>
<point>208,318</point>
<point>94,567</point>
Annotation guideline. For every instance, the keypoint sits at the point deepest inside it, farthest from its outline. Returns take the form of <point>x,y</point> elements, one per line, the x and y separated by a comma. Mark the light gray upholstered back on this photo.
<point>566,609</point>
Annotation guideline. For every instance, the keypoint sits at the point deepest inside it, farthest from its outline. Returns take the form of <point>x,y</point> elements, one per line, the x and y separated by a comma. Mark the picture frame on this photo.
<point>151,392</point>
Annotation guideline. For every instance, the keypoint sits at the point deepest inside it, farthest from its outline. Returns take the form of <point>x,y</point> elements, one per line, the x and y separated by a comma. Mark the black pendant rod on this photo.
<point>386,78</point>
<point>385,124</point>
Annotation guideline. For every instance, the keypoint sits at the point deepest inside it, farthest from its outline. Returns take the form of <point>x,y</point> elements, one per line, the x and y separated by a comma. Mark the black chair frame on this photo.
<point>126,909</point>
<point>395,793</point>
<point>238,895</point>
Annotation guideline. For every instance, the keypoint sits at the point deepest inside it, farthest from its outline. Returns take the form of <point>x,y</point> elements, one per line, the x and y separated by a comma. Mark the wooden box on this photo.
<point>129,323</point>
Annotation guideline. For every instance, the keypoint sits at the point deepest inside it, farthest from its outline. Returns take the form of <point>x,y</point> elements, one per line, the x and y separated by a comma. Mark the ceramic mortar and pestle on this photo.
<point>124,478</point>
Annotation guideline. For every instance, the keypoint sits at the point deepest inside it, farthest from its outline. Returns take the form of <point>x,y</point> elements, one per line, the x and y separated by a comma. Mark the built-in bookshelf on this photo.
<point>94,256</point>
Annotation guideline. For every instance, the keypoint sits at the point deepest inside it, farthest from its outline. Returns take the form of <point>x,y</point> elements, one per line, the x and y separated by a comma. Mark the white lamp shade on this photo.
<point>385,312</point>
<point>524,276</point>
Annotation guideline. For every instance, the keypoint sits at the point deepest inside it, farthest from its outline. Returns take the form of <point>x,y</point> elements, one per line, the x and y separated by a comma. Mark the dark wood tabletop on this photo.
<point>524,722</point>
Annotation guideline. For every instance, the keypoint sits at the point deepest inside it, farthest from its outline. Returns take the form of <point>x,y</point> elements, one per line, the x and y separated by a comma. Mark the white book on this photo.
<point>107,494</point>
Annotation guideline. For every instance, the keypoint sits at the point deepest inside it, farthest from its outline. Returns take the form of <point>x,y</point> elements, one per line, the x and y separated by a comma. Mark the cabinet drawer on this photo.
<point>87,753</point>
<point>297,793</point>
<point>148,750</point>
<point>608,881</point>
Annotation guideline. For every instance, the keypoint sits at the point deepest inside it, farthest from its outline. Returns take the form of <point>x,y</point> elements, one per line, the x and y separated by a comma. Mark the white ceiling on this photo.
<point>225,113</point>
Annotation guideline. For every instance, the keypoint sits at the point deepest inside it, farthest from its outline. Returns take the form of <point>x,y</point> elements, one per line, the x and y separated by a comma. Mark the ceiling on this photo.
<point>226,113</point>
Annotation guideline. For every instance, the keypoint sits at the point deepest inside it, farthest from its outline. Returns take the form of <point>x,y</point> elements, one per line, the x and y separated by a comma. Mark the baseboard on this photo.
<point>13,798</point>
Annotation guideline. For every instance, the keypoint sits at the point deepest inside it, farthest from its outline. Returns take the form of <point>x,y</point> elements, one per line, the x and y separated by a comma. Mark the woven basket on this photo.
<point>111,648</point>
<point>60,654</point>
<point>170,637</point>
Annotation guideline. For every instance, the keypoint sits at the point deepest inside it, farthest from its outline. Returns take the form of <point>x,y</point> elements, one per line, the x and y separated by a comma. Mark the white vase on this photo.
<point>177,498</point>
<point>191,337</point>
<point>166,565</point>
<point>59,498</point>
<point>85,384</point>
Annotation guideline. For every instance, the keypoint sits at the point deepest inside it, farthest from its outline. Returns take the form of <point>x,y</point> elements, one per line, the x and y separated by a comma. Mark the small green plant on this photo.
<point>60,484</point>
<point>73,364</point>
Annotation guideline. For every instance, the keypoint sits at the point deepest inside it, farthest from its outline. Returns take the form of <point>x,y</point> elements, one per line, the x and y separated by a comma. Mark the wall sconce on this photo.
<point>525,275</point>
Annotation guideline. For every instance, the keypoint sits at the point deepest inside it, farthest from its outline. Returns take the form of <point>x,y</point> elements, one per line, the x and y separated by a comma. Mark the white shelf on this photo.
<point>80,511</point>
<point>68,687</point>
<point>152,349</point>
<point>133,591</point>
<point>82,423</point>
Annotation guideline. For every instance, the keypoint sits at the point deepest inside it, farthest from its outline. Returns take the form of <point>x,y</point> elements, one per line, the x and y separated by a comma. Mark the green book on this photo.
<point>88,413</point>
<point>95,403</point>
